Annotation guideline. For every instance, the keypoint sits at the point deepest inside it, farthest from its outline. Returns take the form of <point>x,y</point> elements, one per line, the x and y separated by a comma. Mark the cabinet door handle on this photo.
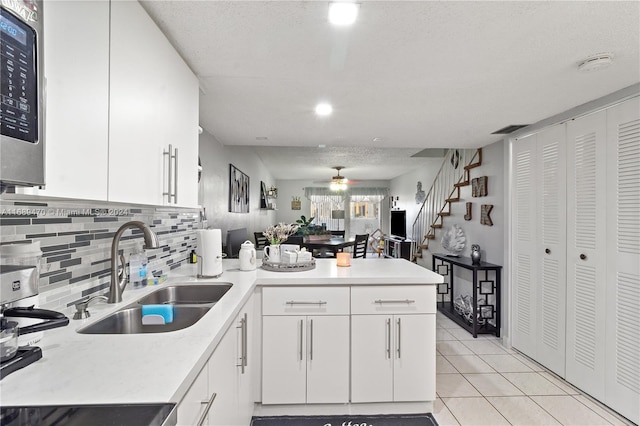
<point>301,326</point>
<point>583,256</point>
<point>169,176</point>
<point>175,176</point>
<point>407,301</point>
<point>548,251</point>
<point>399,337</point>
<point>205,413</point>
<point>388,338</point>
<point>297,302</point>
<point>311,340</point>
<point>243,343</point>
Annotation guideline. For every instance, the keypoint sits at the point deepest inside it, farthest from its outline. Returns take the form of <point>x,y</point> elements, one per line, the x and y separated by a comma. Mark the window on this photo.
<point>357,210</point>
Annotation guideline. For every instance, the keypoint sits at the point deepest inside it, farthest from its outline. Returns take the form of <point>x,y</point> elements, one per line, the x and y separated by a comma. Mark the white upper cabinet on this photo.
<point>153,104</point>
<point>76,56</point>
<point>118,96</point>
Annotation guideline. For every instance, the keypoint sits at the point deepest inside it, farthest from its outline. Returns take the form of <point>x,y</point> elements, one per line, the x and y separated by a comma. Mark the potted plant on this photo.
<point>311,231</point>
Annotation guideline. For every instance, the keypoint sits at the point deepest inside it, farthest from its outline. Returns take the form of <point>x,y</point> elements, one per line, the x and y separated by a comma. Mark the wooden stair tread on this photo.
<point>459,184</point>
<point>437,226</point>
<point>444,214</point>
<point>452,200</point>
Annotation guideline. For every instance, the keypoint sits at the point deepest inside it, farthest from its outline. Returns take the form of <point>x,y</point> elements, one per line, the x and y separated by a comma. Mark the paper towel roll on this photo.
<point>210,252</point>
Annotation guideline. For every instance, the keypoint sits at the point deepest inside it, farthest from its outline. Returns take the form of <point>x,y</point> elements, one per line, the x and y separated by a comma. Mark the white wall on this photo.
<point>213,193</point>
<point>405,187</point>
<point>490,238</point>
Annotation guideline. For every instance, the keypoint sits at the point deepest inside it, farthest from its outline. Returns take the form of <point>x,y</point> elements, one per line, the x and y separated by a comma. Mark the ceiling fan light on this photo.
<point>343,13</point>
<point>324,109</point>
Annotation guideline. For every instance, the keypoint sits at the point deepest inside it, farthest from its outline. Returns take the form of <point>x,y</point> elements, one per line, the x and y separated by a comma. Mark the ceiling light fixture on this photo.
<point>324,109</point>
<point>343,13</point>
<point>338,183</point>
<point>596,62</point>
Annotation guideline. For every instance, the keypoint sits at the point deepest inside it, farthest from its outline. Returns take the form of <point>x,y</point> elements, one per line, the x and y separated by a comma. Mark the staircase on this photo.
<point>453,174</point>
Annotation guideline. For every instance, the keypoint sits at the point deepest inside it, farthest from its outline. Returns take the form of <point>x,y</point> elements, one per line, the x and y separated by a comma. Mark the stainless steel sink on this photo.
<point>129,321</point>
<point>190,303</point>
<point>187,294</point>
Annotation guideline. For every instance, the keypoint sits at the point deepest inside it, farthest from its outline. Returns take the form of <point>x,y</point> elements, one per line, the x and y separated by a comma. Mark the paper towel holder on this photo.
<point>199,274</point>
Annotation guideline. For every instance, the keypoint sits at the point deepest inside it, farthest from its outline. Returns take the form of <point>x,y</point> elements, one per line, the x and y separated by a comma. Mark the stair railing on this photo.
<point>453,173</point>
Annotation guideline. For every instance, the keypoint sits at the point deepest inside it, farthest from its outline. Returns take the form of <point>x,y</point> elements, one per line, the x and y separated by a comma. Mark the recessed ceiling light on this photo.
<point>378,139</point>
<point>596,62</point>
<point>343,13</point>
<point>322,145</point>
<point>324,109</point>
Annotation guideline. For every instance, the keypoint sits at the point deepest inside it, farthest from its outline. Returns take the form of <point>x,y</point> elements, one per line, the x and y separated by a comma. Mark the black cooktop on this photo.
<point>94,415</point>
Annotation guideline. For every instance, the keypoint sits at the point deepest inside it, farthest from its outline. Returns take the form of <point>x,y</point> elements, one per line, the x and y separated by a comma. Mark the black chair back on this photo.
<point>261,240</point>
<point>294,239</point>
<point>360,247</point>
<point>337,233</point>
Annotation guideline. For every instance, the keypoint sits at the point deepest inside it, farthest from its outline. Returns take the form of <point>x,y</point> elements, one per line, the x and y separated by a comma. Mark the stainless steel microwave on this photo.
<point>22,94</point>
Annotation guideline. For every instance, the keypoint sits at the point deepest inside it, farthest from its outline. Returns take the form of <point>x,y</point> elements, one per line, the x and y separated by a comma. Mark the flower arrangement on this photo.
<point>279,233</point>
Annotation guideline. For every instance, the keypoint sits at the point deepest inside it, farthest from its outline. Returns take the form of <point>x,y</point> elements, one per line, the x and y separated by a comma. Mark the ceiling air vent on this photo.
<point>509,129</point>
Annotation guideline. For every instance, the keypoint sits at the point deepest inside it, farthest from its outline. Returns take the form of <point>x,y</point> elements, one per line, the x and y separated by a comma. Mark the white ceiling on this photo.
<point>416,74</point>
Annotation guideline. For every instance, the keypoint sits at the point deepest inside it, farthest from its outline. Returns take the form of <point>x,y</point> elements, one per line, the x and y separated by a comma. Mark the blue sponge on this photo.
<point>164,311</point>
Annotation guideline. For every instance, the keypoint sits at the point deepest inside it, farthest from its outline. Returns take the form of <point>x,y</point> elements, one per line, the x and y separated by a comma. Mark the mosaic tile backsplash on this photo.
<point>75,238</point>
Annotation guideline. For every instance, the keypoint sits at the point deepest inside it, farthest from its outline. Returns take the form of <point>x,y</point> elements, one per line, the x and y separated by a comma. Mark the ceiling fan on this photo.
<point>337,182</point>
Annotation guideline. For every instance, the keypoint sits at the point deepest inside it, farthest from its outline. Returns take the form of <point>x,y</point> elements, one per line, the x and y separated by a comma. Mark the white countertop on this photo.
<point>159,367</point>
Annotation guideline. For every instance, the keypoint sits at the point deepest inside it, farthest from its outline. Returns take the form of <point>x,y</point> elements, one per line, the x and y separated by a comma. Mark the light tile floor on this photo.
<point>481,382</point>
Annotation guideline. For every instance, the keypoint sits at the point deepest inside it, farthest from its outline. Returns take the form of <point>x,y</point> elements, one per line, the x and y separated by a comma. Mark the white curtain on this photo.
<point>361,207</point>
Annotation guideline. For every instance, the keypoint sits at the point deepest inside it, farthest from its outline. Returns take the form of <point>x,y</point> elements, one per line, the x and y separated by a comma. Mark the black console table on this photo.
<point>488,288</point>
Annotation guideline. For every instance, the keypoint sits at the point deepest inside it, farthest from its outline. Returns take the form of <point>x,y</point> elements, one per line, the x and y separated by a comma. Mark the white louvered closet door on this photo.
<point>586,253</point>
<point>524,259</point>
<point>623,259</point>
<point>551,248</point>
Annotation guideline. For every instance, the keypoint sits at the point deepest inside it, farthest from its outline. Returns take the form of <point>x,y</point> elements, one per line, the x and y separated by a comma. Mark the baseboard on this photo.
<point>330,409</point>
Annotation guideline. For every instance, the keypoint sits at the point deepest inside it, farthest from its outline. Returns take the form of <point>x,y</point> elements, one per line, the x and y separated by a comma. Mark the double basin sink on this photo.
<point>190,304</point>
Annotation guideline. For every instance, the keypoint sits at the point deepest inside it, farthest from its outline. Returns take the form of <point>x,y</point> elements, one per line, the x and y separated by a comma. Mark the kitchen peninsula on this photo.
<point>242,352</point>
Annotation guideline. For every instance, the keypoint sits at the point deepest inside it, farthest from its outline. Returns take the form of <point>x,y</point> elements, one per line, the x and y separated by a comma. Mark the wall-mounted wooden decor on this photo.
<point>479,187</point>
<point>468,215</point>
<point>485,214</point>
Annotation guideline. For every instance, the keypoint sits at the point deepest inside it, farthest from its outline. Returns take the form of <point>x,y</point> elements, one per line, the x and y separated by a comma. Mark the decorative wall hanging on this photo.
<point>485,214</point>
<point>453,240</point>
<point>296,204</point>
<point>420,194</point>
<point>479,187</point>
<point>263,196</point>
<point>238,191</point>
<point>468,215</point>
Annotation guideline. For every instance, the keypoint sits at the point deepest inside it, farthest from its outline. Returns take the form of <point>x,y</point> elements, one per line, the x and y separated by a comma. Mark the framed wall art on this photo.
<point>238,191</point>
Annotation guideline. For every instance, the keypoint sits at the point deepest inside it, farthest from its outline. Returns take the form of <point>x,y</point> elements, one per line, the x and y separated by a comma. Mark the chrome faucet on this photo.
<point>119,277</point>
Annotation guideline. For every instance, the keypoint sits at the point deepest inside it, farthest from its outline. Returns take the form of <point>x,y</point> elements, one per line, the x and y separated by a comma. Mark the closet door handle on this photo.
<point>583,256</point>
<point>548,251</point>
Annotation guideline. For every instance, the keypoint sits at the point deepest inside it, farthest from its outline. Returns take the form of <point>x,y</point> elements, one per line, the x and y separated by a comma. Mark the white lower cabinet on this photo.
<point>305,345</point>
<point>192,408</point>
<point>392,344</point>
<point>222,394</point>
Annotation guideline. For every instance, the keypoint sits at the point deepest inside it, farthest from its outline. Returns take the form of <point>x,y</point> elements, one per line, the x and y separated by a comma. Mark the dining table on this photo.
<point>332,245</point>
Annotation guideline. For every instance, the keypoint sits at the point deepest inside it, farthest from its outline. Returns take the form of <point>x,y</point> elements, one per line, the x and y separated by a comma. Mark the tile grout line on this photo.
<point>606,409</point>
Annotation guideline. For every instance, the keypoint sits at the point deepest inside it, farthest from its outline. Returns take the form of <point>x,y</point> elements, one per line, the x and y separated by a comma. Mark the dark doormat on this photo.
<point>348,420</point>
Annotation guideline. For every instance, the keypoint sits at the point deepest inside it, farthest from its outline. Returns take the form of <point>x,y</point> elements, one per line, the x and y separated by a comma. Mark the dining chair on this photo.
<point>294,239</point>
<point>337,233</point>
<point>360,246</point>
<point>261,240</point>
